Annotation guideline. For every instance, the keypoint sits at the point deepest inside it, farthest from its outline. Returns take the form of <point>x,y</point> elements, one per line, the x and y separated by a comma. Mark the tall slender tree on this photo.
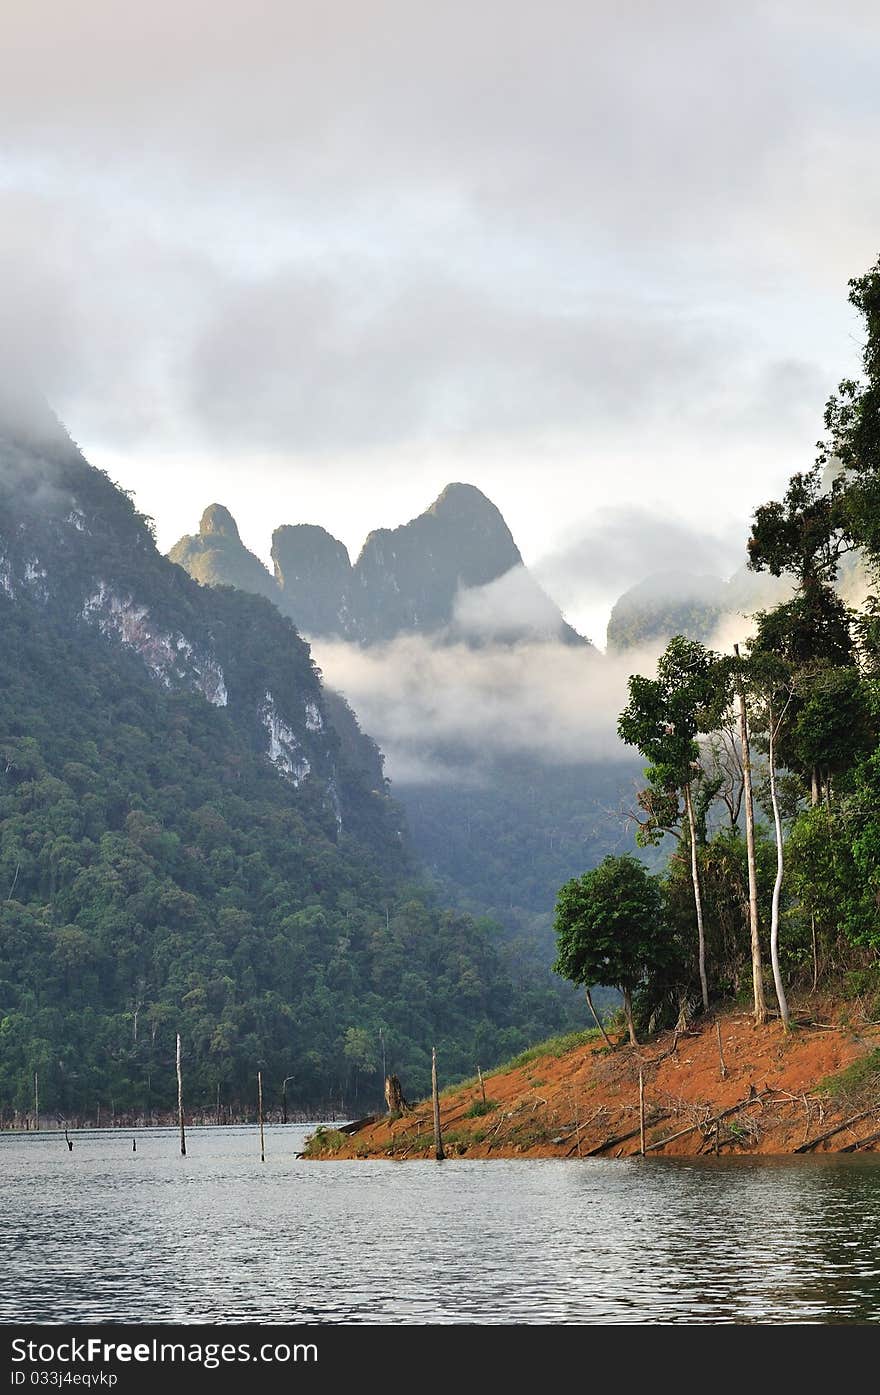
<point>662,720</point>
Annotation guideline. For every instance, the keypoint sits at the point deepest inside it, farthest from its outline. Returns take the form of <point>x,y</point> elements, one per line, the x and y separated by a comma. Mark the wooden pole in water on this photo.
<point>641,1110</point>
<point>438,1139</point>
<point>482,1083</point>
<point>180,1102</point>
<point>260,1114</point>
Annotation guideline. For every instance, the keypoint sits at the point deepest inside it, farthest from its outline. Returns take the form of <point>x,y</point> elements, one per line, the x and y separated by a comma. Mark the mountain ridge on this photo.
<point>196,837</point>
<point>444,574</point>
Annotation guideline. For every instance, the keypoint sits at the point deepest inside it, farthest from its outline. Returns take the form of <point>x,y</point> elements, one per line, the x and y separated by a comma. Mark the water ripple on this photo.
<point>103,1233</point>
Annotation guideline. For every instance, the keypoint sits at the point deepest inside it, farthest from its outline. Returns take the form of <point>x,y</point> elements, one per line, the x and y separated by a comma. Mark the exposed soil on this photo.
<point>587,1099</point>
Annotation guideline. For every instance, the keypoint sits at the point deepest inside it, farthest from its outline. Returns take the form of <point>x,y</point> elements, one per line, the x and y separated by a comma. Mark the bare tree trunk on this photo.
<point>435,1095</point>
<point>814,786</point>
<point>596,1019</point>
<point>721,1065</point>
<point>394,1098</point>
<point>180,1102</point>
<point>777,885</point>
<point>641,1110</point>
<point>260,1114</point>
<point>36,1100</point>
<point>815,953</point>
<point>628,1010</point>
<point>757,969</point>
<point>698,900</point>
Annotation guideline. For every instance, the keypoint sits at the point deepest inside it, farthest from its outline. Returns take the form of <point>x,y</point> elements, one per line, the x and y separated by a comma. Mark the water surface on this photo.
<point>107,1234</point>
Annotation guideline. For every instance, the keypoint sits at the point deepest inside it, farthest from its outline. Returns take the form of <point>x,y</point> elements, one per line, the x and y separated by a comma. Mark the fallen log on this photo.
<point>751,1097</point>
<point>829,1133</point>
<point>621,1137</point>
<point>861,1143</point>
<point>357,1124</point>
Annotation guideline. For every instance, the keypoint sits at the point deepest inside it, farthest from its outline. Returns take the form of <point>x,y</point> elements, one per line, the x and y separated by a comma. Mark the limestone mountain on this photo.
<point>684,603</point>
<point>454,572</point>
<point>196,837</point>
<point>313,575</point>
<point>216,556</point>
<point>663,605</point>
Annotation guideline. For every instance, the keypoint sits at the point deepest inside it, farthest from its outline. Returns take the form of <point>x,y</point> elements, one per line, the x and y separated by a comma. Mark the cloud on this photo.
<point>325,247</point>
<point>443,711</point>
<point>619,546</point>
<point>512,606</point>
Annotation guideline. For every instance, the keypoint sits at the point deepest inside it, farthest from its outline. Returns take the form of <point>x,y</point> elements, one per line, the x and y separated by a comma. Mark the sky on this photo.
<point>315,260</point>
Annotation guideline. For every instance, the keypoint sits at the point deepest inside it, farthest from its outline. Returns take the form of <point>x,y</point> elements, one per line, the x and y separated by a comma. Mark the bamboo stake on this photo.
<point>180,1102</point>
<point>641,1110</point>
<point>438,1138</point>
<point>260,1113</point>
<point>482,1083</point>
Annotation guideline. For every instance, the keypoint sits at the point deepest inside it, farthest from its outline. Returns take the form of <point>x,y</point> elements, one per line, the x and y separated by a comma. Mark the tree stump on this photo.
<point>394,1096</point>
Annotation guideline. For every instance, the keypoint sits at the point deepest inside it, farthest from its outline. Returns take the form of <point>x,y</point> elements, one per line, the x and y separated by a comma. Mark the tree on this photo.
<point>852,420</point>
<point>664,715</point>
<point>751,861</point>
<point>610,929</point>
<point>359,1052</point>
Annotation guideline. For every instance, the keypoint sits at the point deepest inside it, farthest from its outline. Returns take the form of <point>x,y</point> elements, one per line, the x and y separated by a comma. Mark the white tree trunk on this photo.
<point>777,885</point>
<point>698,900</point>
<point>757,969</point>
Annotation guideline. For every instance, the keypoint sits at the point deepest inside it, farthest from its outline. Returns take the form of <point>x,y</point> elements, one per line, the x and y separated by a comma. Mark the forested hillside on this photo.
<point>195,837</point>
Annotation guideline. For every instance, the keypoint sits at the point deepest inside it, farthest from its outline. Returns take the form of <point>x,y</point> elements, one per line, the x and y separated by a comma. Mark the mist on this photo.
<point>443,711</point>
<point>342,248</point>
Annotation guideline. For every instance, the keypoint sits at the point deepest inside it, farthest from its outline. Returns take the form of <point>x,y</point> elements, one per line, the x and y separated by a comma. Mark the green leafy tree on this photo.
<point>610,929</point>
<point>663,719</point>
<point>852,420</point>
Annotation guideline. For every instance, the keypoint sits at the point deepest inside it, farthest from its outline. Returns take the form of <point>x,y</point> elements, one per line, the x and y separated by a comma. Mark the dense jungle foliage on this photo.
<point>158,874</point>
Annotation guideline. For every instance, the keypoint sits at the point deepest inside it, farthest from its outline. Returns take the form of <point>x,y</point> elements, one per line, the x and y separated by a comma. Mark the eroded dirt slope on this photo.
<point>777,1093</point>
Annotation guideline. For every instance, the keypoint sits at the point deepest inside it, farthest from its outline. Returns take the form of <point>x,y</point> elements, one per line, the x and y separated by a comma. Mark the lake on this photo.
<point>107,1234</point>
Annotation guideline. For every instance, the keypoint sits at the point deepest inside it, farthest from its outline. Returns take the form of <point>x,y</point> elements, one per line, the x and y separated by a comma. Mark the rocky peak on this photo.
<point>454,571</point>
<point>217,521</point>
<point>216,556</point>
<point>313,570</point>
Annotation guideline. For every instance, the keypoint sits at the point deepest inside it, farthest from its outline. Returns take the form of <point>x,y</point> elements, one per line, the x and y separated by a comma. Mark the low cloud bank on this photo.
<point>447,711</point>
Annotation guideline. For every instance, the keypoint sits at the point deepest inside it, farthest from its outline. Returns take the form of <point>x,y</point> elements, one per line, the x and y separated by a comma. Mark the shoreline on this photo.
<point>724,1087</point>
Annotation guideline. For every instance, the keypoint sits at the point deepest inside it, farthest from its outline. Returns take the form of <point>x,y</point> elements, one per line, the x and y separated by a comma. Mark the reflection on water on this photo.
<point>104,1233</point>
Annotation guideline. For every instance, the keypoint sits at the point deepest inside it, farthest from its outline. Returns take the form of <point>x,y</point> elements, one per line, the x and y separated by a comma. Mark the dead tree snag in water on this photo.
<point>260,1114</point>
<point>180,1102</point>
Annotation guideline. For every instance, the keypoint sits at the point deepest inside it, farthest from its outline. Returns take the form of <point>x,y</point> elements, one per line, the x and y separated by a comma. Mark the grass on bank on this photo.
<point>858,1083</point>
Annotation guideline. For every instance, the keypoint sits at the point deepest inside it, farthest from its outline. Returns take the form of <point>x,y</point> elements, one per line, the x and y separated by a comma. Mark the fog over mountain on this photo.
<point>453,573</point>
<point>343,253</point>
